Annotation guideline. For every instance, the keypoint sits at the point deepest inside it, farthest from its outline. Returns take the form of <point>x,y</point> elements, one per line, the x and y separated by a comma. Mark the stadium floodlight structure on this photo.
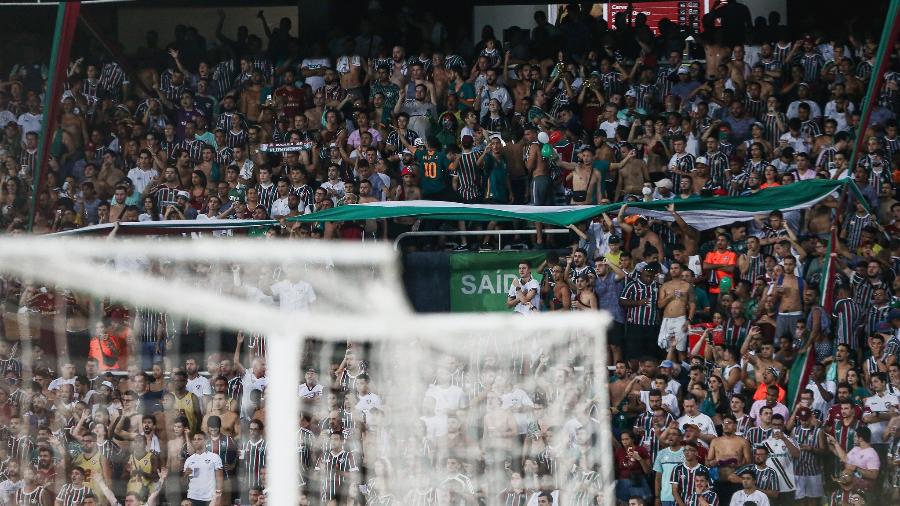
<point>334,294</point>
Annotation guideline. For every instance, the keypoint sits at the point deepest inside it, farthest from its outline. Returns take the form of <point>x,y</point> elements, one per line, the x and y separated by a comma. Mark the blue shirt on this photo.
<point>665,463</point>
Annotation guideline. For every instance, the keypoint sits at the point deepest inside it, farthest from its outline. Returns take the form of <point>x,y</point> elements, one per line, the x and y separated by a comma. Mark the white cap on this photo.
<point>665,182</point>
<point>631,93</point>
<point>701,159</point>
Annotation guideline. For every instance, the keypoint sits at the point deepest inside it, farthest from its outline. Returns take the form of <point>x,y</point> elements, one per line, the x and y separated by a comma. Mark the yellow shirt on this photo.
<point>613,258</point>
<point>186,405</point>
<point>140,473</point>
<point>92,466</point>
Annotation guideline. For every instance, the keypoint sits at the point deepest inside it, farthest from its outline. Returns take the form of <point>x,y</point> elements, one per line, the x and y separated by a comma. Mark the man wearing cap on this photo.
<point>639,298</point>
<point>808,465</point>
<point>310,389</point>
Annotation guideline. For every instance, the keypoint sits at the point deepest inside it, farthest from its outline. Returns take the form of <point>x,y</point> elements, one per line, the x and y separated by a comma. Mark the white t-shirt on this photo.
<point>531,306</point>
<point>315,82</point>
<point>879,404</point>
<point>449,398</point>
<point>512,401</point>
<point>610,128</point>
<point>202,484</point>
<point>310,393</point>
<point>199,386</point>
<point>141,178</point>
<point>29,122</point>
<point>367,402</point>
<point>740,497</point>
<point>294,296</point>
<point>780,460</point>
<point>819,402</point>
<point>280,207</point>
<point>798,143</point>
<point>250,382</point>
<point>669,402</point>
<point>59,382</point>
<point>701,420</point>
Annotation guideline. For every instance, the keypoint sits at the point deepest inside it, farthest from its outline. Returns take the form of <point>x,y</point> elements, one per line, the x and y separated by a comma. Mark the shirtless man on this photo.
<point>729,451</point>
<point>365,192</point>
<point>231,425</point>
<point>642,233</point>
<point>762,361</point>
<point>789,298</point>
<point>623,385</point>
<point>108,177</point>
<point>700,176</point>
<point>250,96</point>
<point>676,299</point>
<point>521,87</point>
<point>539,168</point>
<point>633,173</point>
<point>350,67</point>
<point>584,178</point>
<point>819,217</point>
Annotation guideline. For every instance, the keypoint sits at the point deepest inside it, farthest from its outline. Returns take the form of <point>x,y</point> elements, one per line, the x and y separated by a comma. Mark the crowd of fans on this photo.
<point>707,324</point>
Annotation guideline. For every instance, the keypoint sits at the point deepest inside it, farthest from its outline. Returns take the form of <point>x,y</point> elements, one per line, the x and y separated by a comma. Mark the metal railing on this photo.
<point>498,233</point>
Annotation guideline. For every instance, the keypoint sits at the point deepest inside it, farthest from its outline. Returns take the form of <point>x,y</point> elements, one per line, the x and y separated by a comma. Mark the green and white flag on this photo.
<point>702,213</point>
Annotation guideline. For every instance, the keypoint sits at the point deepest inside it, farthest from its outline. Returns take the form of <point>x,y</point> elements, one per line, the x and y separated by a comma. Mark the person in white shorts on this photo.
<point>808,481</point>
<point>676,299</point>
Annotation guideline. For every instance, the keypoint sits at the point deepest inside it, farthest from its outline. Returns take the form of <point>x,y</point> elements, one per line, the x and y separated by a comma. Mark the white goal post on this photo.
<point>357,285</point>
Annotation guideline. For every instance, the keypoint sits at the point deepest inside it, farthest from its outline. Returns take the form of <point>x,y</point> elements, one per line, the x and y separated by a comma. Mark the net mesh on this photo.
<point>427,409</point>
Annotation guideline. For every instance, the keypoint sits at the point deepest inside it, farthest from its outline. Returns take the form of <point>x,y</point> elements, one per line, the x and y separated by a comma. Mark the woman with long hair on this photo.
<point>770,177</point>
<point>858,391</point>
<point>199,190</point>
<point>717,402</point>
<point>151,213</point>
<point>633,463</point>
<point>212,171</point>
<point>654,151</point>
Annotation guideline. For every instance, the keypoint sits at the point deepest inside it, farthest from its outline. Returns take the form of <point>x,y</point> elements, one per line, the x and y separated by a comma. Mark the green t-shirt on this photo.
<point>257,231</point>
<point>446,138</point>
<point>466,91</point>
<point>498,175</point>
<point>433,167</point>
<point>238,193</point>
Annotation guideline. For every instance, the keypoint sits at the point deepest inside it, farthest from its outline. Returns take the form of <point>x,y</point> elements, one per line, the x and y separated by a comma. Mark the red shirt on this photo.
<point>625,466</point>
<point>726,257</point>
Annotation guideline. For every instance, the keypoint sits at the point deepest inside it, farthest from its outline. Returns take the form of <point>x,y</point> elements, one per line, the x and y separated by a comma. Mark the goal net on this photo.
<point>362,400</point>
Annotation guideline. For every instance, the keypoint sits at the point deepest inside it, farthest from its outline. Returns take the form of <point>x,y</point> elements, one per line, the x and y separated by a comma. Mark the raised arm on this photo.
<point>239,368</point>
